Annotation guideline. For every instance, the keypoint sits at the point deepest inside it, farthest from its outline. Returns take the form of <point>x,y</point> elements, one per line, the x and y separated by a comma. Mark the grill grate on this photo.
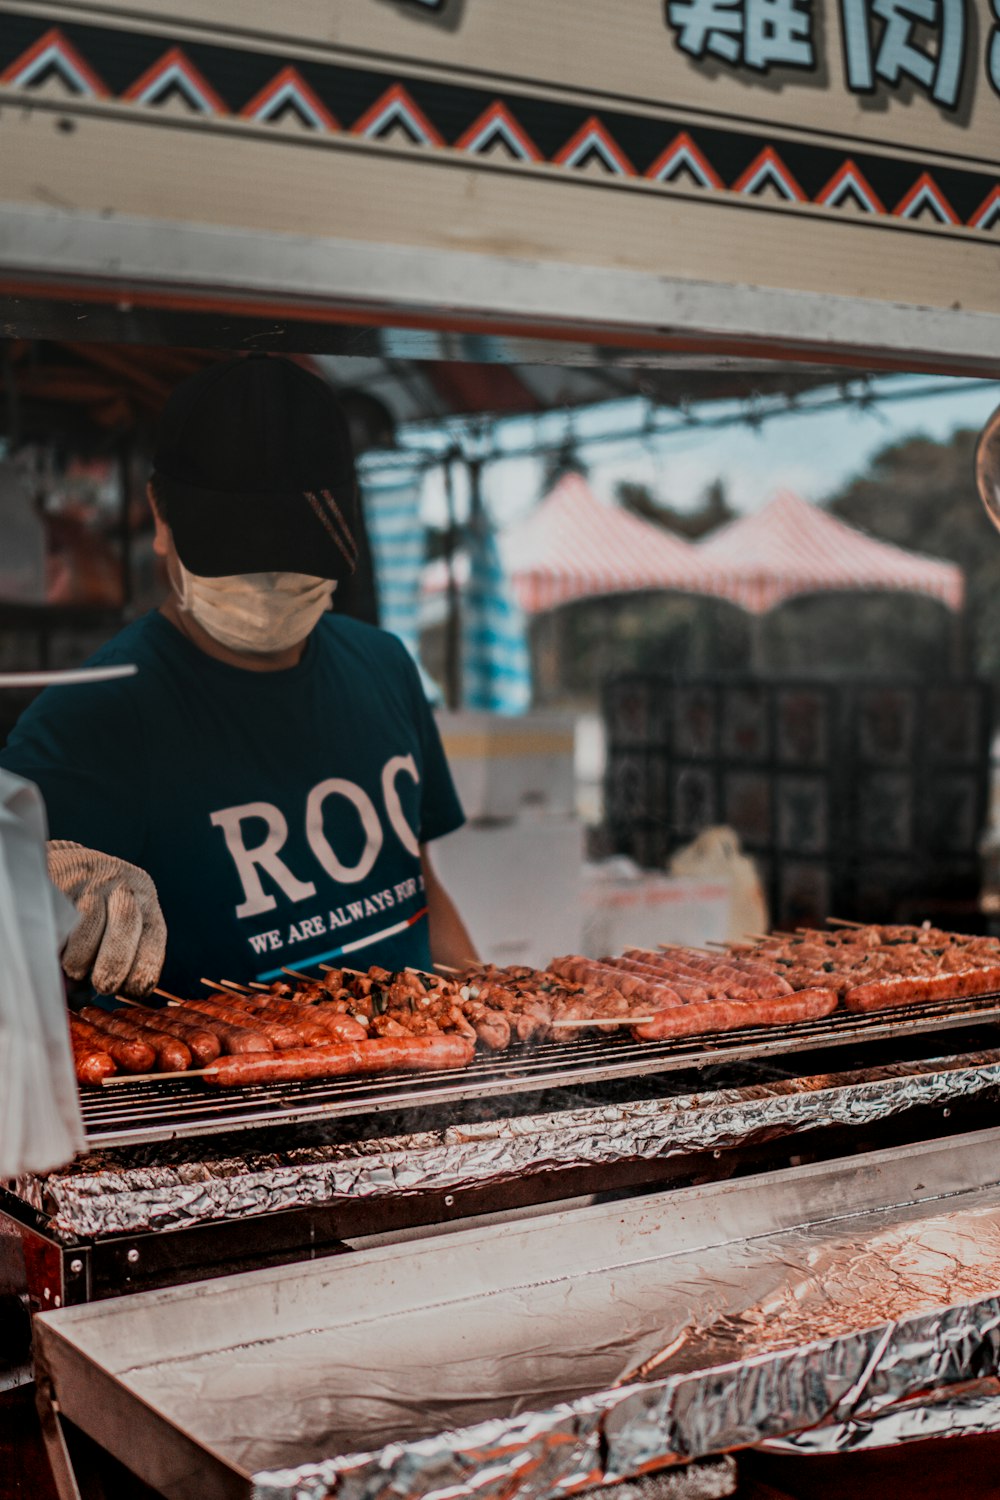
<point>175,1106</point>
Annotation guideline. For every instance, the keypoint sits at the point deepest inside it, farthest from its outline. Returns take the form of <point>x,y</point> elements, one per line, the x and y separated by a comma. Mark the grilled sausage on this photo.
<point>768,982</point>
<point>729,979</point>
<point>379,1055</point>
<point>279,1033</point>
<point>689,990</point>
<point>234,1039</point>
<point>131,1056</point>
<point>726,1015</point>
<point>90,1064</point>
<point>310,1028</point>
<point>911,989</point>
<point>172,1055</point>
<point>342,1027</point>
<point>605,975</point>
<point>733,982</point>
<point>204,1045</point>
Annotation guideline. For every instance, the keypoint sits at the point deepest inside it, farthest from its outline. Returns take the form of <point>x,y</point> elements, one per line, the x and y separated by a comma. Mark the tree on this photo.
<point>922,494</point>
<point>713,509</point>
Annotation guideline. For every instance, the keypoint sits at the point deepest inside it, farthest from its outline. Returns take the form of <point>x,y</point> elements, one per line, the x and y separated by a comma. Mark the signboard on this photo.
<point>812,175</point>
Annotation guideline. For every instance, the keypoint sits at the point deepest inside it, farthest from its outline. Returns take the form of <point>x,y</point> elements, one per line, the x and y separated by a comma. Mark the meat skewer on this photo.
<point>92,1064</point>
<point>204,1045</point>
<point>131,1056</point>
<point>172,1054</point>
<point>233,1038</point>
<point>312,1028</point>
<point>378,1055</point>
<point>669,992</point>
<point>281,1035</point>
<point>804,1005</point>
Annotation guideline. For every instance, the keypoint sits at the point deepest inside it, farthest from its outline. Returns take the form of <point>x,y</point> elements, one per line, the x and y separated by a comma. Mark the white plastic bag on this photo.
<point>40,1123</point>
<point>716,855</point>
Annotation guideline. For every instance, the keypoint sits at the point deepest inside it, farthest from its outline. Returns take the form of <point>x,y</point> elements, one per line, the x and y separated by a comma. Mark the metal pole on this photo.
<point>452,641</point>
<point>475,468</point>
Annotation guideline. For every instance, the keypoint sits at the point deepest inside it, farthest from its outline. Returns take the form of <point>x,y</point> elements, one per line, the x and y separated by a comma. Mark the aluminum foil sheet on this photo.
<point>104,1194</point>
<point>577,1350</point>
<point>973,1412</point>
<point>770,1385</point>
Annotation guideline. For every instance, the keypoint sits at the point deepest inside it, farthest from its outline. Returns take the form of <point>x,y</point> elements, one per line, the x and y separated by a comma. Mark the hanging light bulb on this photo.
<point>988,467</point>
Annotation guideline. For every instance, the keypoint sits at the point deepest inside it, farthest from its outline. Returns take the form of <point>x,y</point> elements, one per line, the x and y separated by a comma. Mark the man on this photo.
<point>273,769</point>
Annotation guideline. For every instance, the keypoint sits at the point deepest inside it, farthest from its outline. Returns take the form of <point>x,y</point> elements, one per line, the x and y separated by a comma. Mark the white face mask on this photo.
<point>255,612</point>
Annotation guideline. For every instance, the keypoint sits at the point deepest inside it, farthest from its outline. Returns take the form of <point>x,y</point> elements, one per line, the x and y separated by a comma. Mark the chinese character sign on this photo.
<point>881,43</point>
<point>886,43</point>
<point>757,34</point>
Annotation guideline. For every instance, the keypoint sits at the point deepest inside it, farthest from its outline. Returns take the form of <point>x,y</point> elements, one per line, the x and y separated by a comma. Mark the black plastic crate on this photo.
<point>852,795</point>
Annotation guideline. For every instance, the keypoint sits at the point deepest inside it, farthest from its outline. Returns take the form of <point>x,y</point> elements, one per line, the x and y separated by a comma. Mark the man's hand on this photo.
<point>121,937</point>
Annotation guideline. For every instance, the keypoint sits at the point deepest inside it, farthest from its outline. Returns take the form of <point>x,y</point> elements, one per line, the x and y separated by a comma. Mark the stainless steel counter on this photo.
<point>507,1355</point>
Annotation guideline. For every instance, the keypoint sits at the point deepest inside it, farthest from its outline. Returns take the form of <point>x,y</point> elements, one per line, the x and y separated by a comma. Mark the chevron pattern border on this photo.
<point>206,80</point>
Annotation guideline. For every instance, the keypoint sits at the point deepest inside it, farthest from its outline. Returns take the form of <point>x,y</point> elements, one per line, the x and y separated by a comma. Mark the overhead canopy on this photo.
<point>86,393</point>
<point>574,547</point>
<point>791,548</point>
<point>429,390</point>
<point>89,390</point>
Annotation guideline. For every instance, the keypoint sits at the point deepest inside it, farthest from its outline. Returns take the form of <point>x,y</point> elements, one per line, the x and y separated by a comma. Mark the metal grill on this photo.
<point>176,1106</point>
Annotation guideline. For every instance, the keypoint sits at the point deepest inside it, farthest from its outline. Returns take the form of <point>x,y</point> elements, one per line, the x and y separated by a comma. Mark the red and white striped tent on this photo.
<point>574,547</point>
<point>792,547</point>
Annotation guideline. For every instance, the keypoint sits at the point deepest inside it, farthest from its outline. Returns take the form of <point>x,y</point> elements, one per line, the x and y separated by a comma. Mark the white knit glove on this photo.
<point>121,937</point>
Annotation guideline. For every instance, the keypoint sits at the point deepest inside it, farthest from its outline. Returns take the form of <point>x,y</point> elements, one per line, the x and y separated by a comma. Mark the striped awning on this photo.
<point>496,658</point>
<point>792,547</point>
<point>575,547</point>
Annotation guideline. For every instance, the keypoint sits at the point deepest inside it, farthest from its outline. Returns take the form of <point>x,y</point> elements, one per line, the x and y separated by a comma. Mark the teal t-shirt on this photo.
<point>280,814</point>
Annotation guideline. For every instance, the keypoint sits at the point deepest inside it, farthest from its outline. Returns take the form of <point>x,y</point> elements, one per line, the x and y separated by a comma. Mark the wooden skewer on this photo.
<point>843,922</point>
<point>709,949</point>
<point>223,984</point>
<point>690,948</point>
<point>173,1000</point>
<point>446,969</point>
<point>146,1077</point>
<point>332,969</point>
<point>605,1021</point>
<point>256,985</point>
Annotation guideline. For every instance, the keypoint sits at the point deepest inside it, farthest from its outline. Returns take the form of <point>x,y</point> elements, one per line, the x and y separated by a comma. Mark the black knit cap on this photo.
<point>254,467</point>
